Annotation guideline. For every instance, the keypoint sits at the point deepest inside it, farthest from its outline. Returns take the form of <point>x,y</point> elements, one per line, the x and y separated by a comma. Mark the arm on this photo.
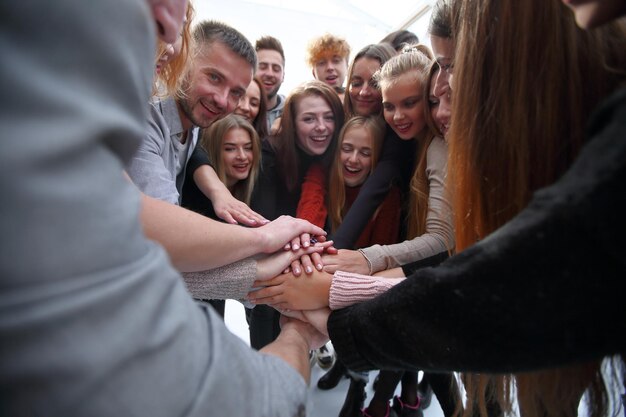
<point>439,234</point>
<point>539,292</point>
<point>197,243</point>
<point>386,225</point>
<point>312,204</point>
<point>148,169</point>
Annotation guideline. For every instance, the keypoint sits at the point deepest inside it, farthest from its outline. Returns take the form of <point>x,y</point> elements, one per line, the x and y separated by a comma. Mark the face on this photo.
<point>271,71</point>
<point>218,80</point>
<point>593,13</point>
<point>315,125</point>
<point>364,94</point>
<point>356,156</point>
<point>403,105</point>
<point>237,155</point>
<point>443,48</point>
<point>170,52</point>
<point>331,70</point>
<point>248,106</point>
<point>168,16</point>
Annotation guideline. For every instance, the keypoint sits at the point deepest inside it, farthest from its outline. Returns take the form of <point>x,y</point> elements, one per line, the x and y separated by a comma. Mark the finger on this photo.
<point>307,265</point>
<point>295,243</point>
<point>316,258</point>
<point>227,217</point>
<point>296,268</point>
<point>305,240</point>
<point>331,250</point>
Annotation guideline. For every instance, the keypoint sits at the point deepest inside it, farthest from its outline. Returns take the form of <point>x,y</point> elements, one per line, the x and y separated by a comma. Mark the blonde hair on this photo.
<point>212,141</point>
<point>325,46</point>
<point>168,81</point>
<point>375,126</point>
<point>417,59</point>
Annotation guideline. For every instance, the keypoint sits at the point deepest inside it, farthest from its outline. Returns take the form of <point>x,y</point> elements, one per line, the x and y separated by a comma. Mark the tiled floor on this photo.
<point>320,403</point>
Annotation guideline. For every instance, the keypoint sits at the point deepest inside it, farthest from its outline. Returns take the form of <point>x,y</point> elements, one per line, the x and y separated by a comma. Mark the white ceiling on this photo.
<point>294,23</point>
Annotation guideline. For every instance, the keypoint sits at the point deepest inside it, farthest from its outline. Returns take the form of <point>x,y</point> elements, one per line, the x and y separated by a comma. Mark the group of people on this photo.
<point>454,210</point>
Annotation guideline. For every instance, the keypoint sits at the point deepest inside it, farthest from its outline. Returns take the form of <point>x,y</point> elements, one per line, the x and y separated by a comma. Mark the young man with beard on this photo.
<point>271,72</point>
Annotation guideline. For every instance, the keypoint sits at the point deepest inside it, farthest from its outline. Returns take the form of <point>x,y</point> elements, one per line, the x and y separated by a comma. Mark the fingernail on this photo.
<point>296,271</point>
<point>306,244</point>
<point>296,247</point>
<point>309,269</point>
<point>320,267</point>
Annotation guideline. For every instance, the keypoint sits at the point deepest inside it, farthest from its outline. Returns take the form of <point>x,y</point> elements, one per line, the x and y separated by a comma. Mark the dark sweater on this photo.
<point>546,289</point>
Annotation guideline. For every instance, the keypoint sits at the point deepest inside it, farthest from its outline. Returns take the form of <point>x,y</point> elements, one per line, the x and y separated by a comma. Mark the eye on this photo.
<point>366,154</point>
<point>356,83</point>
<point>388,107</point>
<point>329,118</point>
<point>255,103</point>
<point>346,148</point>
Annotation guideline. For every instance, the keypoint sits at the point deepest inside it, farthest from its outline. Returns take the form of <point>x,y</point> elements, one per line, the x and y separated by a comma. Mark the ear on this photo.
<point>168,16</point>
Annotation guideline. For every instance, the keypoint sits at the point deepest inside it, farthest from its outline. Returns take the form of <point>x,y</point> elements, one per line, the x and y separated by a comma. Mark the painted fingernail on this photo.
<point>320,267</point>
<point>309,269</point>
<point>296,247</point>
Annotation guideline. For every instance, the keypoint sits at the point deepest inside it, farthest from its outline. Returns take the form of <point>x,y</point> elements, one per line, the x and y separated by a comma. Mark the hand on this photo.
<point>288,292</point>
<point>346,260</point>
<point>318,319</point>
<point>285,229</point>
<point>272,265</point>
<point>309,332</point>
<point>233,211</point>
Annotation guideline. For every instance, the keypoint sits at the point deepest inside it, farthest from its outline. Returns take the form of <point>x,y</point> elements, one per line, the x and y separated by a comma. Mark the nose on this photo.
<point>441,83</point>
<point>398,115</point>
<point>320,125</point>
<point>241,154</point>
<point>353,156</point>
<point>221,99</point>
<point>366,90</point>
<point>244,105</point>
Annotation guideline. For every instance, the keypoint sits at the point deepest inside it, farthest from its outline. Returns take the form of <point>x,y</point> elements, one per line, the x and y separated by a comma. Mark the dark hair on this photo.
<point>260,121</point>
<point>271,43</point>
<point>209,31</point>
<point>400,38</point>
<point>444,19</point>
<point>284,142</point>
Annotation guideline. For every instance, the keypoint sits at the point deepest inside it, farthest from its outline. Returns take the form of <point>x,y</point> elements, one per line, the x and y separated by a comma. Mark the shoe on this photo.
<point>375,383</point>
<point>331,378</point>
<point>355,398</point>
<point>405,410</point>
<point>390,412</point>
<point>425,395</point>
<point>325,358</point>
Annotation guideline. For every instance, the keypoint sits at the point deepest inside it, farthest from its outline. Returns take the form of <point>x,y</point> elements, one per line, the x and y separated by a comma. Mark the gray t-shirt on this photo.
<point>94,321</point>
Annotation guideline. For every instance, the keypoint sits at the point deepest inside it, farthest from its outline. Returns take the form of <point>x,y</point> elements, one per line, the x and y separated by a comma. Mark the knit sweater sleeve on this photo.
<point>312,203</point>
<point>386,224</point>
<point>542,291</point>
<point>439,234</point>
<point>348,288</point>
<point>229,281</point>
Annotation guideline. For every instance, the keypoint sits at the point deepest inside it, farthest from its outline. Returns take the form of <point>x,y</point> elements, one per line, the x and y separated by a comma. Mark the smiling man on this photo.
<point>217,79</point>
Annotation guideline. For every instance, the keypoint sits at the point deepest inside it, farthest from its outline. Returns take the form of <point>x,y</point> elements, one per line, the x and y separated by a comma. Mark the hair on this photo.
<point>209,31</point>
<point>375,125</point>
<point>419,188</point>
<point>260,121</point>
<point>381,52</point>
<point>212,141</point>
<point>327,45</point>
<point>444,19</point>
<point>400,38</point>
<point>171,75</point>
<point>519,113</point>
<point>284,142</point>
<point>271,43</point>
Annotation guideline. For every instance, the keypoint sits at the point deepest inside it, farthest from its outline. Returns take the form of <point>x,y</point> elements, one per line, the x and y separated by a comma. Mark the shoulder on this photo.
<point>436,155</point>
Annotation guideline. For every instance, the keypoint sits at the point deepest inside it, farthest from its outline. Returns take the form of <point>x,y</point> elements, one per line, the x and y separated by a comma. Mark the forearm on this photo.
<point>229,281</point>
<point>293,348</point>
<point>209,183</point>
<point>194,242</point>
<point>347,288</point>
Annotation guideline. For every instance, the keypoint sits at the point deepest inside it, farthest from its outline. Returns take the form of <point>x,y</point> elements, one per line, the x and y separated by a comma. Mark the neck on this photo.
<point>184,120</point>
<point>272,102</point>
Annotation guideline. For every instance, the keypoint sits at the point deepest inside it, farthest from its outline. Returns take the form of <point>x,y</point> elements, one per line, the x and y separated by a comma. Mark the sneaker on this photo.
<point>425,395</point>
<point>325,358</point>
